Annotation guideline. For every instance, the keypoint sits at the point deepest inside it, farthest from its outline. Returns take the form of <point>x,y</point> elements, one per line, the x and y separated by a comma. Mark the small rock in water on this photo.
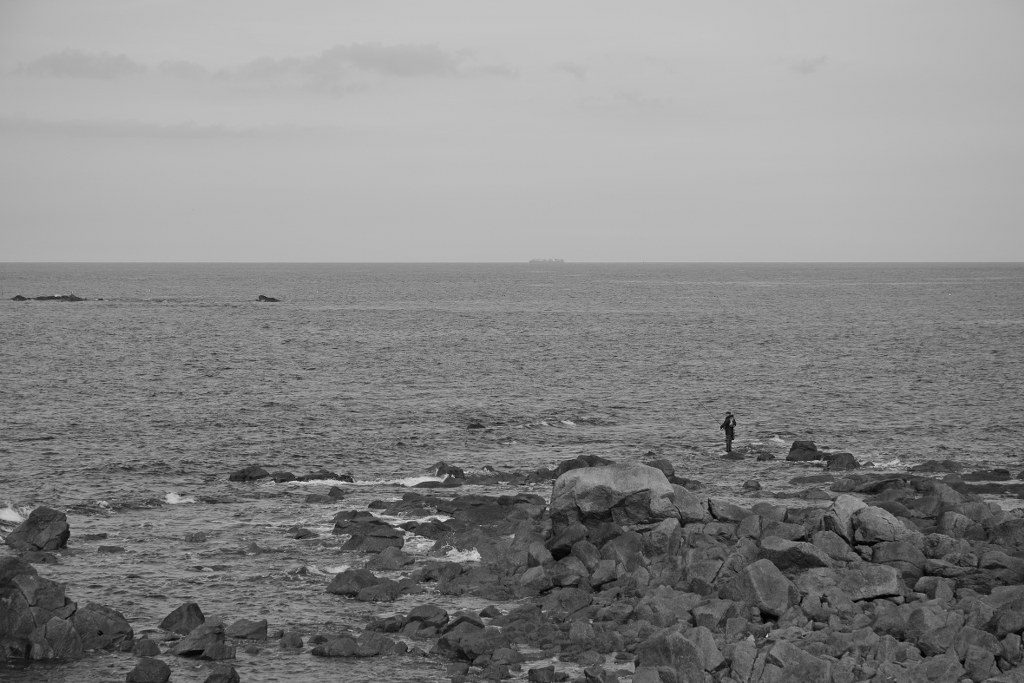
<point>291,639</point>
<point>300,533</point>
<point>222,673</point>
<point>751,485</point>
<point>282,477</point>
<point>264,297</point>
<point>149,670</point>
<point>248,629</point>
<point>250,473</point>
<point>93,537</point>
<point>335,493</point>
<point>183,619</point>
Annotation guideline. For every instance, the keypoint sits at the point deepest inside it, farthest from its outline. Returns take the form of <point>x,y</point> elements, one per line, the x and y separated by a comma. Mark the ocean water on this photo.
<point>130,409</point>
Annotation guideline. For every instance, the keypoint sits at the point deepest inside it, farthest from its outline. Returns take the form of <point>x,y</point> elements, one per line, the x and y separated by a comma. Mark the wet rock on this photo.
<point>183,619</point>
<point>101,627</point>
<point>264,297</point>
<point>300,533</point>
<point>248,629</point>
<point>351,581</point>
<point>224,673</point>
<point>250,473</point>
<point>763,586</point>
<point>996,474</point>
<point>291,640</point>
<point>802,451</point>
<point>149,670</point>
<point>205,641</point>
<point>840,461</point>
<point>282,477</point>
<point>936,466</point>
<point>45,529</point>
<point>39,557</point>
<point>385,590</point>
<point>763,457</point>
<point>324,474</point>
<point>144,647</point>
<point>390,559</point>
<point>443,469</point>
<point>56,639</point>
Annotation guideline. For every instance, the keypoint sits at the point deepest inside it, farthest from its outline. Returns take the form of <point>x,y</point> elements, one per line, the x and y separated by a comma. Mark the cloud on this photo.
<point>144,129</point>
<point>810,65</point>
<point>577,71</point>
<point>78,64</point>
<point>341,68</point>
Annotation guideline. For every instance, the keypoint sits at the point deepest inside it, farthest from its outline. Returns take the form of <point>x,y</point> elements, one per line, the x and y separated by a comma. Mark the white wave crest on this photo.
<point>472,555</point>
<point>11,515</point>
<point>173,498</point>
<point>568,423</point>
<point>778,440</point>
<point>407,481</point>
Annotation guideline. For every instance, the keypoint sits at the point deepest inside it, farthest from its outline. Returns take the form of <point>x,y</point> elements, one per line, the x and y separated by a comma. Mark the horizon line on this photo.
<point>535,262</point>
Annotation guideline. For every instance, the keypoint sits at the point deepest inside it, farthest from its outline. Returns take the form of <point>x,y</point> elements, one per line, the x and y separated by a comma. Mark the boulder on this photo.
<point>861,582</point>
<point>840,461</point>
<point>101,627</point>
<point>874,525</point>
<point>149,670</point>
<point>248,629</point>
<point>183,619</point>
<point>802,451</point>
<point>670,651</point>
<point>787,662</point>
<point>625,494</point>
<point>840,515</point>
<point>793,554</point>
<point>351,581</point>
<point>224,673</point>
<point>45,529</point>
<point>205,641</point>
<point>904,556</point>
<point>763,586</point>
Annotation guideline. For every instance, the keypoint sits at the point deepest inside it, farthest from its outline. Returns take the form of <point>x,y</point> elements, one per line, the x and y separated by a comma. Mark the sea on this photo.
<point>128,410</point>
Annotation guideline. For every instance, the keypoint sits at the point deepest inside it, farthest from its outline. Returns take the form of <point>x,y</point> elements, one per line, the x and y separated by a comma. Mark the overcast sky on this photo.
<point>370,130</point>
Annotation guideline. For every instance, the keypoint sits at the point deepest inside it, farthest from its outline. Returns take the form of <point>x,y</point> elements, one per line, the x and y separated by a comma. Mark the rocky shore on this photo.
<point>624,572</point>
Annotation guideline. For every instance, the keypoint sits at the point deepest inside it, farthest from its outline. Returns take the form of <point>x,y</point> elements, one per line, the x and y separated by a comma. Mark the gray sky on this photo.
<point>371,130</point>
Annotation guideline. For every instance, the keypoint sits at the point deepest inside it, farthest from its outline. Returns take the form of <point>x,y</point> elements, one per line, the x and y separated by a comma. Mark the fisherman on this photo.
<point>730,431</point>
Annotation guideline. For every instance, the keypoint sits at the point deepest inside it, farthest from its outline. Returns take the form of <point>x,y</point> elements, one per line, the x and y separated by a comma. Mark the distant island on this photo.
<point>547,260</point>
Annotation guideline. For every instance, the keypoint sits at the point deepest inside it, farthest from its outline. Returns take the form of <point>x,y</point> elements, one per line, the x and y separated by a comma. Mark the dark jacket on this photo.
<point>729,425</point>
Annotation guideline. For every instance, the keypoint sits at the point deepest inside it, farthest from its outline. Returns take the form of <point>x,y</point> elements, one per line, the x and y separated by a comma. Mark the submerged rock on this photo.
<point>263,297</point>
<point>250,473</point>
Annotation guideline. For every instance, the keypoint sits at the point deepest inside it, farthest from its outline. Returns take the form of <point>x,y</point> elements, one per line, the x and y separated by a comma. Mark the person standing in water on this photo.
<point>730,431</point>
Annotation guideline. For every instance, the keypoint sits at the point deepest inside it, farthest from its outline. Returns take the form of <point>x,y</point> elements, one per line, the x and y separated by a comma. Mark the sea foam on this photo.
<point>176,499</point>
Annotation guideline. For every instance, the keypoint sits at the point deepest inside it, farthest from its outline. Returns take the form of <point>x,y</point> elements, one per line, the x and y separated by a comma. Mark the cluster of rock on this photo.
<point>806,451</point>
<point>39,622</point>
<point>907,580</point>
<point>49,297</point>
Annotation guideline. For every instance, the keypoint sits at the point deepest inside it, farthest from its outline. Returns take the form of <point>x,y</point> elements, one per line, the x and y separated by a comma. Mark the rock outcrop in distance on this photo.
<point>50,297</point>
